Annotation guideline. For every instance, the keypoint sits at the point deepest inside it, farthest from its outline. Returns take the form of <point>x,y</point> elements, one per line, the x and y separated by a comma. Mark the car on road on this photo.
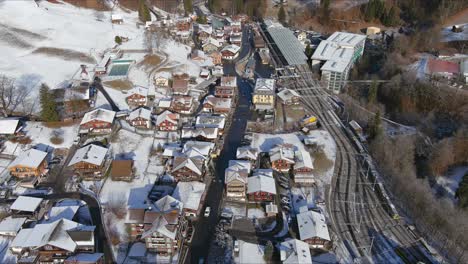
<point>285,200</point>
<point>282,184</point>
<point>207,211</point>
<point>236,246</point>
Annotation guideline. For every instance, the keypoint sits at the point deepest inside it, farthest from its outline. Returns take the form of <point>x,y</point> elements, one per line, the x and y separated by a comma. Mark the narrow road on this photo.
<point>97,83</point>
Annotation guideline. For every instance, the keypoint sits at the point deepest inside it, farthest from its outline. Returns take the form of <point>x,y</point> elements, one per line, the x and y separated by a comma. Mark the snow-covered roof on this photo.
<point>210,121</point>
<point>218,102</point>
<point>62,211</point>
<point>167,116</point>
<point>239,175</point>
<point>189,193</point>
<point>26,204</point>
<point>99,114</point>
<point>240,165</point>
<point>165,207</point>
<point>193,164</point>
<point>140,113</point>
<point>205,28</point>
<point>11,225</point>
<point>211,41</point>
<point>263,172</point>
<point>54,234</point>
<point>247,152</point>
<point>261,183</point>
<point>303,160</point>
<point>312,224</point>
<point>287,94</point>
<point>92,153</point>
<point>85,258</point>
<point>265,85</point>
<point>231,48</point>
<point>138,90</point>
<point>116,17</point>
<point>282,152</point>
<point>229,81</point>
<point>31,158</point>
<point>165,102</point>
<point>251,253</point>
<point>295,251</point>
<point>205,132</point>
<point>8,126</point>
<point>203,147</point>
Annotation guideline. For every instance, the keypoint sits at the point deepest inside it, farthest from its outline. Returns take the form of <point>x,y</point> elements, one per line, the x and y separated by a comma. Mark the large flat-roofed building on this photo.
<point>291,49</point>
<point>336,56</point>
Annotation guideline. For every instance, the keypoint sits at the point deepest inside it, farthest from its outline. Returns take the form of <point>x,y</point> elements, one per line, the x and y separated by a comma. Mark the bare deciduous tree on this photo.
<point>11,95</point>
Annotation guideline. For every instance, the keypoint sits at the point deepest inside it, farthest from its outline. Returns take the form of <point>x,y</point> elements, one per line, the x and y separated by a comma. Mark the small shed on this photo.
<point>116,19</point>
<point>122,170</point>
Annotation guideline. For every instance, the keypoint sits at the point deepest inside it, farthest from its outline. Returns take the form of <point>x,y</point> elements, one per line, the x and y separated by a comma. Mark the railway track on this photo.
<point>358,215</point>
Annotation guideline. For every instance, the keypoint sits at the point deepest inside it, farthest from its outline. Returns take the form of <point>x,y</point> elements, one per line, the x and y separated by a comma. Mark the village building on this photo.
<point>165,229</point>
<point>289,97</point>
<point>186,168</point>
<point>182,104</point>
<point>53,242</point>
<point>303,168</point>
<point>313,229</point>
<point>236,179</point>
<point>30,165</point>
<point>198,149</point>
<point>9,127</point>
<point>228,81</point>
<point>293,251</point>
<point>224,91</point>
<point>167,121</point>
<point>10,226</point>
<point>197,55</point>
<point>98,121</point>
<point>164,103</point>
<point>85,258</point>
<point>217,105</point>
<point>211,121</point>
<point>121,170</point>
<point>211,45</point>
<point>264,94</point>
<point>441,68</point>
<point>247,153</point>
<point>26,206</point>
<point>161,81</point>
<point>204,31</point>
<point>116,19</point>
<point>137,97</point>
<point>282,157</point>
<point>271,209</point>
<point>89,161</point>
<point>216,58</point>
<point>200,133</point>
<point>140,118</point>
<point>230,52</point>
<point>261,188</point>
<point>180,86</point>
<point>192,195</point>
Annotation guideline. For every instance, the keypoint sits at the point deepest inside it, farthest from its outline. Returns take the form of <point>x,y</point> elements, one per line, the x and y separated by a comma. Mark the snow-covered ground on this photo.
<point>450,182</point>
<point>5,254</point>
<point>255,213</point>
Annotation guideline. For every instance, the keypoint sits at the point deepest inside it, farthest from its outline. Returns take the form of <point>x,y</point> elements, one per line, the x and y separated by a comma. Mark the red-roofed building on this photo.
<point>443,68</point>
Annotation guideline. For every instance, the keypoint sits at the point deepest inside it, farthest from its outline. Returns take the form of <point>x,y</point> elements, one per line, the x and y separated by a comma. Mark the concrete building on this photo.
<point>336,56</point>
<point>264,94</point>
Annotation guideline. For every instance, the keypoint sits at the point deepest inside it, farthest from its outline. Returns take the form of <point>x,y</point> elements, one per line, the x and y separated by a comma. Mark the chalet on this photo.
<point>261,188</point>
<point>217,71</point>
<point>198,149</point>
<point>183,27</point>
<point>216,57</point>
<point>230,52</point>
<point>167,121</point>
<point>211,121</point>
<point>182,104</point>
<point>165,228</point>
<point>10,226</point>
<point>121,170</point>
<point>289,97</point>
<point>442,68</point>
<point>29,164</point>
<point>137,97</point>
<point>236,39</point>
<point>53,242</point>
<point>282,157</point>
<point>271,209</point>
<point>219,36</point>
<point>197,55</point>
<point>294,251</point>
<point>85,258</point>
<point>205,73</point>
<point>74,99</point>
<point>140,118</point>
<point>116,19</point>
<point>225,91</point>
<point>161,81</point>
<point>217,105</point>
<point>228,81</point>
<point>236,184</point>
<point>313,229</point>
<point>164,103</point>
<point>264,94</point>
<point>200,133</point>
<point>98,121</point>
<point>9,127</point>
<point>247,153</point>
<point>204,31</point>
<point>303,168</point>
<point>187,168</point>
<point>25,206</point>
<point>89,161</point>
<point>192,195</point>
<point>259,42</point>
<point>211,45</point>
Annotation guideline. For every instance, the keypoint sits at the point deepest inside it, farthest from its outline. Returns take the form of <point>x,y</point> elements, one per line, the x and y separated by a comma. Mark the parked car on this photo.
<point>207,211</point>
<point>227,215</point>
<point>236,246</point>
<point>282,184</point>
<point>285,200</point>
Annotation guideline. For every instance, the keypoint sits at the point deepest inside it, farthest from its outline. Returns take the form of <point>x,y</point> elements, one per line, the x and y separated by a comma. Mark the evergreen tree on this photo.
<point>49,107</point>
<point>325,11</point>
<point>239,6</point>
<point>309,51</point>
<point>375,126</point>
<point>372,94</point>
<point>462,192</point>
<point>392,17</point>
<point>143,11</point>
<point>188,7</point>
<point>118,40</point>
<point>281,15</point>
